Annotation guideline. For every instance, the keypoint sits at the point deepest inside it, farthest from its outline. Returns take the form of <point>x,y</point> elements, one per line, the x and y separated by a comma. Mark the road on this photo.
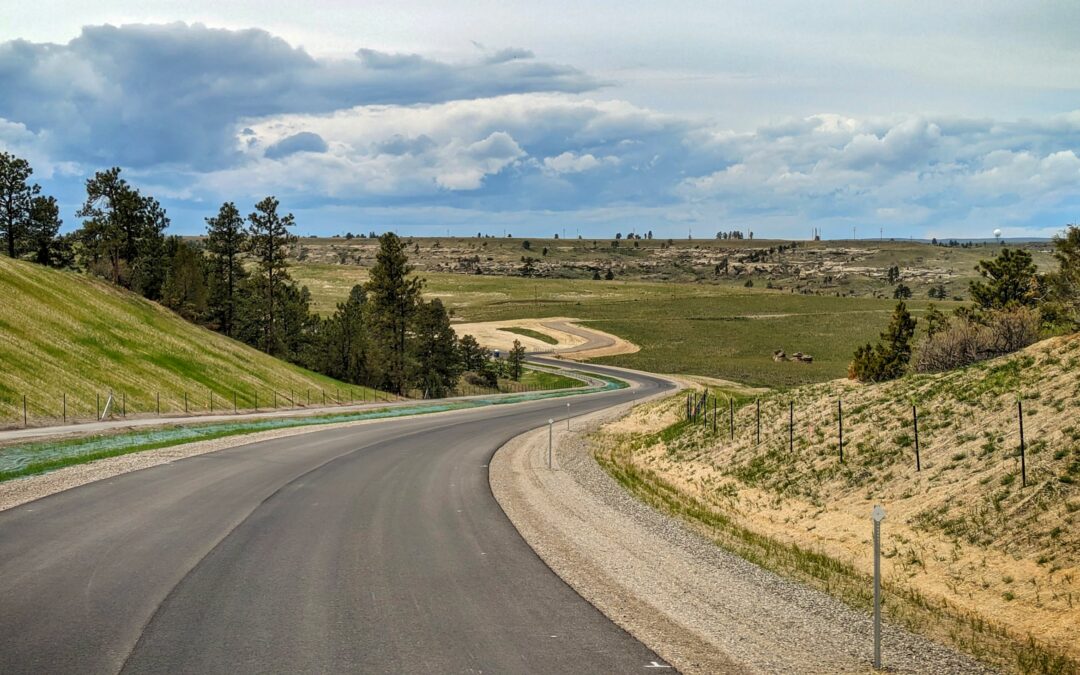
<point>377,548</point>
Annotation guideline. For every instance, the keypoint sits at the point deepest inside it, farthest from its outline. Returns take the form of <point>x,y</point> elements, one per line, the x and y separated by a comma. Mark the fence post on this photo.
<point>24,410</point>
<point>915,421</point>
<point>234,402</point>
<point>185,403</point>
<point>791,426</point>
<point>123,404</point>
<point>758,433</point>
<point>256,400</point>
<point>840,424</point>
<point>97,406</point>
<point>65,407</point>
<point>324,398</point>
<point>714,415</point>
<point>158,404</point>
<point>731,416</point>
<point>275,399</point>
<point>1023,459</point>
<point>211,400</point>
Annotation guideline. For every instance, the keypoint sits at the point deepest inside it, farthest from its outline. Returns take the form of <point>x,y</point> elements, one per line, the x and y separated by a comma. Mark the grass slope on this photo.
<point>66,333</point>
<point>971,555</point>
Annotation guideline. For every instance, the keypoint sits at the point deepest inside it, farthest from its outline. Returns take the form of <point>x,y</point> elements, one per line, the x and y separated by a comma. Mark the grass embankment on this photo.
<point>67,333</point>
<point>528,332</point>
<point>971,557</point>
<point>719,331</point>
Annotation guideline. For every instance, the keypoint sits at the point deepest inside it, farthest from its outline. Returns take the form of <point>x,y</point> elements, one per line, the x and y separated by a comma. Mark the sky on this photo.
<point>908,119</point>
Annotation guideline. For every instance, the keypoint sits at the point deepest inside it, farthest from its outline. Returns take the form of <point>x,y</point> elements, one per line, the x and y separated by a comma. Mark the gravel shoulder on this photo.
<point>699,607</point>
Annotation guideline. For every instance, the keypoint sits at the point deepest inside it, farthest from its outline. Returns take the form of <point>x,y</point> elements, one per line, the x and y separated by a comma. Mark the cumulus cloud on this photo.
<point>143,95</point>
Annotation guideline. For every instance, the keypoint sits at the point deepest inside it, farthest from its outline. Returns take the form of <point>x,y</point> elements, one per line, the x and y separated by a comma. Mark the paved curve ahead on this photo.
<point>377,548</point>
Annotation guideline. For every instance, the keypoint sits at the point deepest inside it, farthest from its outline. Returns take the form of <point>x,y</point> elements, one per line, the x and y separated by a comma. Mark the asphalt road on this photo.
<point>377,548</point>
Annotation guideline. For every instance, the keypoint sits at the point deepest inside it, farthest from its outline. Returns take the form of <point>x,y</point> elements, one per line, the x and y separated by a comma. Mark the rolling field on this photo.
<point>67,333</point>
<point>717,330</point>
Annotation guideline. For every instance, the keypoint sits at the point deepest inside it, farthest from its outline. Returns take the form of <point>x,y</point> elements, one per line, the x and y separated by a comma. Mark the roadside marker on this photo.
<point>654,664</point>
<point>878,515</point>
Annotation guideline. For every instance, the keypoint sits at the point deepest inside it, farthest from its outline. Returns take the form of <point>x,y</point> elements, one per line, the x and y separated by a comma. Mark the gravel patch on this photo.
<point>702,609</point>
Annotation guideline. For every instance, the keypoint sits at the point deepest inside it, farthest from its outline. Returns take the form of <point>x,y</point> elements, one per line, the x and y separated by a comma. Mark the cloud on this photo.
<point>145,95</point>
<point>305,141</point>
<point>568,162</point>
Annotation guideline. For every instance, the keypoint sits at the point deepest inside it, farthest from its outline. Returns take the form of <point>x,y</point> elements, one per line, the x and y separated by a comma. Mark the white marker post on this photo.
<point>568,416</point>
<point>878,515</point>
<point>551,430</point>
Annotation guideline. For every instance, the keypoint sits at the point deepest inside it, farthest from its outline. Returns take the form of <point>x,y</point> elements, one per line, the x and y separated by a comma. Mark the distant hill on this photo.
<point>67,333</point>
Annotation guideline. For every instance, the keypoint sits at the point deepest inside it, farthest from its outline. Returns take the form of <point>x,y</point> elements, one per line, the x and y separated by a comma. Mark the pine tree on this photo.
<point>225,243</point>
<point>393,297</point>
<point>1011,279</point>
<point>474,357</point>
<point>434,350</point>
<point>888,359</point>
<point>515,360</point>
<point>345,349</point>
<point>268,237</point>
<point>184,290</point>
<point>43,225</point>
<point>123,233</point>
<point>16,198</point>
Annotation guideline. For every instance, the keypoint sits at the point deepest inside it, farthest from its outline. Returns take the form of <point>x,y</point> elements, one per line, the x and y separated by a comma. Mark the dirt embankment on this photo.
<point>700,608</point>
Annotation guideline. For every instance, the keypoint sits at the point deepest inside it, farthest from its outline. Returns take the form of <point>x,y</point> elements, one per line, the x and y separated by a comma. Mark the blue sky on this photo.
<point>920,118</point>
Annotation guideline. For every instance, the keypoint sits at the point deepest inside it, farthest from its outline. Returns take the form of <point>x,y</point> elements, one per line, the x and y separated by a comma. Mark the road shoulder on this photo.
<point>700,608</point>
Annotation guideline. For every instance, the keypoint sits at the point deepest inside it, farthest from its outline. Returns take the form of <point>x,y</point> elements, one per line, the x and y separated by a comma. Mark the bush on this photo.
<point>965,340</point>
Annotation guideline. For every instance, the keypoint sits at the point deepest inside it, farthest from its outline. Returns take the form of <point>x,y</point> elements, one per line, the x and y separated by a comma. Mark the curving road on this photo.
<point>377,548</point>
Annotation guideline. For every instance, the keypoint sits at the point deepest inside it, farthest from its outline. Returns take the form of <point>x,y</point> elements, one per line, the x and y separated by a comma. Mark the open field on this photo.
<point>847,268</point>
<point>971,555</point>
<point>713,330</point>
<point>67,333</point>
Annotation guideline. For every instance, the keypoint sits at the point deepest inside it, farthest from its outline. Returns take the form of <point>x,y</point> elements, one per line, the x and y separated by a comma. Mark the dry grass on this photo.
<point>962,536</point>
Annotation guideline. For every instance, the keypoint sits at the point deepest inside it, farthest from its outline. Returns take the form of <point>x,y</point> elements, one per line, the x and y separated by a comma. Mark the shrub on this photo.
<point>966,340</point>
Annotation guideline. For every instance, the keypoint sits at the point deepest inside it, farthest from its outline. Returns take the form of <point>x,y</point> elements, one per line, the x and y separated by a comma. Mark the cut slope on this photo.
<point>67,333</point>
<point>963,533</point>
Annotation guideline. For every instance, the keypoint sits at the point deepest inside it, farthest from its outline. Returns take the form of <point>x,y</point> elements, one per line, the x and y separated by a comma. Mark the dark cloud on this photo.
<point>142,95</point>
<point>305,141</point>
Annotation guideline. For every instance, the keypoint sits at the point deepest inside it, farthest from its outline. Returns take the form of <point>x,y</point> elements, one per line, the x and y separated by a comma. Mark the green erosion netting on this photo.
<point>28,458</point>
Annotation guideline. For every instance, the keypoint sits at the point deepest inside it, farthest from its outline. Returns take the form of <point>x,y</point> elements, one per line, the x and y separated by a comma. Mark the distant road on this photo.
<point>377,548</point>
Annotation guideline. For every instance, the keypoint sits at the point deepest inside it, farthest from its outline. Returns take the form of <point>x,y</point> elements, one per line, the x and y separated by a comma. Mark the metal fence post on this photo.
<point>878,515</point>
<point>915,422</point>
<point>840,424</point>
<point>65,407</point>
<point>758,432</point>
<point>551,427</point>
<point>1023,458</point>
<point>24,410</point>
<point>791,426</point>
<point>731,417</point>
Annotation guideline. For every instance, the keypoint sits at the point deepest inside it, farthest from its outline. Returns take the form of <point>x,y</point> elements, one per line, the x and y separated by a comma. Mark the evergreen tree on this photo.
<point>43,225</point>
<point>888,359</point>
<point>268,237</point>
<point>1064,283</point>
<point>474,357</point>
<point>1011,279</point>
<point>901,292</point>
<point>393,297</point>
<point>16,198</point>
<point>184,290</point>
<point>434,350</point>
<point>123,233</point>
<point>515,360</point>
<point>226,240</point>
<point>345,345</point>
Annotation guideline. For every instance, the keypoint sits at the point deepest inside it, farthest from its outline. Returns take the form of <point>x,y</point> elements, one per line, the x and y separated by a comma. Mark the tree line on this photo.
<point>236,281</point>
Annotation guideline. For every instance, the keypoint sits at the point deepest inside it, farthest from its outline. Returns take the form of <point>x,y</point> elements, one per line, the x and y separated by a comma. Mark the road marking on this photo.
<point>654,664</point>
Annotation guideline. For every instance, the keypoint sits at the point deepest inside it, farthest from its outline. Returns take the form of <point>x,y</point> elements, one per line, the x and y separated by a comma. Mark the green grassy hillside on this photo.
<point>66,333</point>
